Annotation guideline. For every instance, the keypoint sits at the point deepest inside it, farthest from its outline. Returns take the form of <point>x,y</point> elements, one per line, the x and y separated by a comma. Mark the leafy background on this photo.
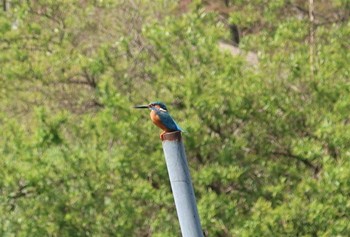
<point>267,140</point>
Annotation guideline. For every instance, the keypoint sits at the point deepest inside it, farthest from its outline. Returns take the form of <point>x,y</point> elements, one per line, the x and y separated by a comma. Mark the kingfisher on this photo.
<point>161,117</point>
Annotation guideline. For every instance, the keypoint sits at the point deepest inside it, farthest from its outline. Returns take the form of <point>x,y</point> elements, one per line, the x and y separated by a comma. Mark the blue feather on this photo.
<point>167,120</point>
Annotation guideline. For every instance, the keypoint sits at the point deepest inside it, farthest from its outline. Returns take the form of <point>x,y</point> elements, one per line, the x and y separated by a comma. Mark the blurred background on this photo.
<point>260,87</point>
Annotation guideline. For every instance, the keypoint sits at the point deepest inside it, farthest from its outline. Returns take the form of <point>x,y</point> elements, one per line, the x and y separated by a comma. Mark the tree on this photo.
<point>267,146</point>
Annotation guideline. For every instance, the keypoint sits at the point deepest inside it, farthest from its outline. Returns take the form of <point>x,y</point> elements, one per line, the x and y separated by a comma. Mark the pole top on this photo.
<point>172,136</point>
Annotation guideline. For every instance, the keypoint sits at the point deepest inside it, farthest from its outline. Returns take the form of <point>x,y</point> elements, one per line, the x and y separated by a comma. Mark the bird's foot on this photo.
<point>162,135</point>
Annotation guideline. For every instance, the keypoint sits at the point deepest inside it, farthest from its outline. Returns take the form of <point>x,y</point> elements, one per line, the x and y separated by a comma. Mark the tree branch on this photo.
<point>301,159</point>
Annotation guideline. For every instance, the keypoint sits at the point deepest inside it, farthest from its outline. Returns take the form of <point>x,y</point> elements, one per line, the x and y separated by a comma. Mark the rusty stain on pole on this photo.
<point>181,184</point>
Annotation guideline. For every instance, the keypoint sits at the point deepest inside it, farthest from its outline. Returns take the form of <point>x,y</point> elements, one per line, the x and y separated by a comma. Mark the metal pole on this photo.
<point>181,185</point>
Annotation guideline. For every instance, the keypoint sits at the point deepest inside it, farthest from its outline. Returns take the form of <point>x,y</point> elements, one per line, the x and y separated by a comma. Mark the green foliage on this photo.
<point>268,145</point>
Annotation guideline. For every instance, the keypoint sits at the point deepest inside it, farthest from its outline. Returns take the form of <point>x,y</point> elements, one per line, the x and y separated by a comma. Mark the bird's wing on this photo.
<point>168,121</point>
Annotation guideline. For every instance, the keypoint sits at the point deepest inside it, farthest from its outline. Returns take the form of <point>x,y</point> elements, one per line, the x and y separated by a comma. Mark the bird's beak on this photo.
<point>141,106</point>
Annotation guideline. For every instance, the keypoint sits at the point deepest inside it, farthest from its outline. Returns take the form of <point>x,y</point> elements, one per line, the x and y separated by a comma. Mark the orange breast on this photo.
<point>156,120</point>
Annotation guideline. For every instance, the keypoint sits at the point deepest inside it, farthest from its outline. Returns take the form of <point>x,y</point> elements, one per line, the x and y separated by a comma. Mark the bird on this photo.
<point>161,117</point>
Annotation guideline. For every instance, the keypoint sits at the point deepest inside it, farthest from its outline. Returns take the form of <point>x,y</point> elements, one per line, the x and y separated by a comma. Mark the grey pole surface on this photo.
<point>181,185</point>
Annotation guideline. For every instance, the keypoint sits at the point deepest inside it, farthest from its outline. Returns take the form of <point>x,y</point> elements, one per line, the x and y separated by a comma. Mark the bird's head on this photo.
<point>154,105</point>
